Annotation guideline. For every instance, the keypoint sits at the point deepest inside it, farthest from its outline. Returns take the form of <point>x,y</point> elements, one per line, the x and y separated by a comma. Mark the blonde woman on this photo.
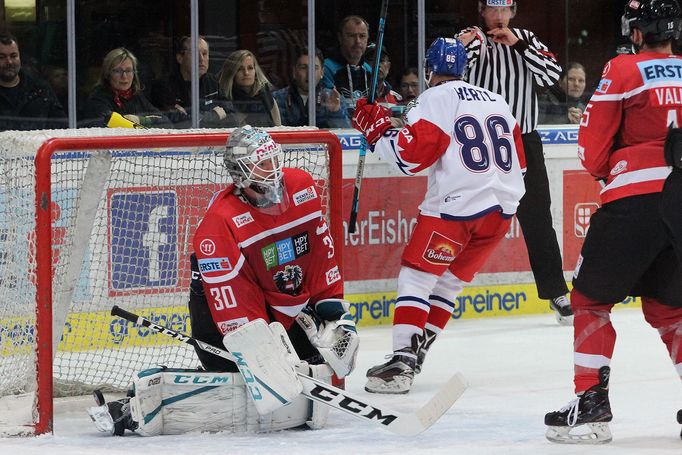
<point>119,90</point>
<point>243,83</point>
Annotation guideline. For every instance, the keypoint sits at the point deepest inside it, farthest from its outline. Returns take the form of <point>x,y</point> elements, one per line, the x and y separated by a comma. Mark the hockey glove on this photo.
<point>331,330</point>
<point>372,120</point>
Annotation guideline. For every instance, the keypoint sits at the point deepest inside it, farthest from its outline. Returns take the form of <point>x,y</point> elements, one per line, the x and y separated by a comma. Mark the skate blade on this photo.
<point>397,386</point>
<point>563,320</point>
<point>599,433</point>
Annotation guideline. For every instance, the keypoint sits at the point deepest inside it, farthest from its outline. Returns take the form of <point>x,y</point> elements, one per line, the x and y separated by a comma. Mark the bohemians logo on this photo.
<point>289,280</point>
<point>441,250</point>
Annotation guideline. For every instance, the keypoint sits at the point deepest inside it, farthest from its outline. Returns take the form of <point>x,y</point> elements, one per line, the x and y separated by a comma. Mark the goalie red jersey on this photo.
<point>625,122</point>
<point>255,265</point>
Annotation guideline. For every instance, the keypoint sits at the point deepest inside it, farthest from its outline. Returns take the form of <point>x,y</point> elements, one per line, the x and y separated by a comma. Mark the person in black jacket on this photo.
<point>174,95</point>
<point>330,109</point>
<point>119,90</point>
<point>243,83</point>
<point>26,102</point>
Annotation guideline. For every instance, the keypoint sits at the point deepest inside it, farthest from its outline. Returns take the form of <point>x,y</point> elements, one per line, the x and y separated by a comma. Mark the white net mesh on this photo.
<point>122,225</point>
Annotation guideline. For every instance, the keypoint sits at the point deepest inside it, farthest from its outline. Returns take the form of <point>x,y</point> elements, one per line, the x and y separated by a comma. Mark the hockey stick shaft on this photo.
<point>406,424</point>
<point>355,203</point>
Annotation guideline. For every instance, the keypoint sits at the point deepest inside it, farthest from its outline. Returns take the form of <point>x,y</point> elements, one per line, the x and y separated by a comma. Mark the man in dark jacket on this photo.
<point>330,109</point>
<point>173,96</point>
<point>346,70</point>
<point>26,102</point>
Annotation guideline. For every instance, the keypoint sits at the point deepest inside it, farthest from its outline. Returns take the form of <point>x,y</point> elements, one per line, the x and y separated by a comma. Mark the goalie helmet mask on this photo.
<point>658,20</point>
<point>254,161</point>
<point>446,56</point>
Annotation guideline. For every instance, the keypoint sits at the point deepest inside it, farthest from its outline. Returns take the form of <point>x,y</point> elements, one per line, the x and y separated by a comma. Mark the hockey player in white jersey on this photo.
<point>469,143</point>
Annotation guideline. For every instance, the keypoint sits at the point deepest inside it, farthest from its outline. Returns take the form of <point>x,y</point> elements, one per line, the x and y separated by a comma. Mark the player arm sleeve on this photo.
<point>540,61</point>
<point>599,127</point>
<point>421,142</point>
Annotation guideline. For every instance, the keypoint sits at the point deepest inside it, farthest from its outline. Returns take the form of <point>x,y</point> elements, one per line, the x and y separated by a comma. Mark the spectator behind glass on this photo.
<point>409,85</point>
<point>565,101</point>
<point>346,69</point>
<point>26,102</point>
<point>174,95</point>
<point>119,90</point>
<point>243,83</point>
<point>58,79</point>
<point>331,110</point>
<point>384,93</point>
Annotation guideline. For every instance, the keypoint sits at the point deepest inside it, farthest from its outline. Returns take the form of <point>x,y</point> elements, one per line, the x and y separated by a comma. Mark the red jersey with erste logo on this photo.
<point>255,265</point>
<point>623,128</point>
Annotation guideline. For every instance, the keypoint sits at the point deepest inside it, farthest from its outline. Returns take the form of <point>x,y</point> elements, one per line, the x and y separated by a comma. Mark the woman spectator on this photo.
<point>119,90</point>
<point>565,101</point>
<point>243,83</point>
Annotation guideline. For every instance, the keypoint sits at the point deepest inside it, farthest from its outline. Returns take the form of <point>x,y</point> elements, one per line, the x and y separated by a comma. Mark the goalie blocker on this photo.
<point>264,396</point>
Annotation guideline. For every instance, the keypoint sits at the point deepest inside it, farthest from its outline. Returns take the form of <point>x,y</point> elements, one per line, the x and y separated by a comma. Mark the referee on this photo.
<point>510,61</point>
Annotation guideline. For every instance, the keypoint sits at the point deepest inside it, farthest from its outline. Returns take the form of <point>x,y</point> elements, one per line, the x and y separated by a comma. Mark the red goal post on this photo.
<point>136,144</point>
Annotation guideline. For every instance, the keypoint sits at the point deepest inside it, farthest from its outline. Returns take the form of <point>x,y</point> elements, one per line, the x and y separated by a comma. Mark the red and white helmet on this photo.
<point>254,160</point>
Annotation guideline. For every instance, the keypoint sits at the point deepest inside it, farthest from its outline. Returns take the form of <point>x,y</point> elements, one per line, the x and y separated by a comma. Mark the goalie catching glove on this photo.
<point>331,330</point>
<point>372,120</point>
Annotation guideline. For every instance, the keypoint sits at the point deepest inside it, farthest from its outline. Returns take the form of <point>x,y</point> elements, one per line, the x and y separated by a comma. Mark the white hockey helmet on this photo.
<point>255,161</point>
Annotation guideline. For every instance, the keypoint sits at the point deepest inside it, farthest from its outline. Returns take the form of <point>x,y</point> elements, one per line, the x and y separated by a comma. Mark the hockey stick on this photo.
<point>404,424</point>
<point>355,203</point>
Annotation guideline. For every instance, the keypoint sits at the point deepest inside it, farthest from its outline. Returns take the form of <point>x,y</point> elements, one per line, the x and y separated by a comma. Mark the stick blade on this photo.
<point>427,415</point>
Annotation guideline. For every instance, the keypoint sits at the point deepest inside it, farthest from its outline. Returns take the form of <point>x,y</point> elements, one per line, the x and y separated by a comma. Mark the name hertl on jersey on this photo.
<point>255,265</point>
<point>471,144</point>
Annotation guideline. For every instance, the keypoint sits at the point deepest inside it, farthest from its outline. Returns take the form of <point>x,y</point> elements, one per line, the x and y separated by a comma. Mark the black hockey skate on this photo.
<point>679,419</point>
<point>591,408</point>
<point>424,342</point>
<point>113,417</point>
<point>394,376</point>
<point>562,310</point>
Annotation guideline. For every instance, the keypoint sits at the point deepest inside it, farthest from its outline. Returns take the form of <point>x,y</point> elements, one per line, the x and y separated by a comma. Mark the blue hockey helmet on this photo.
<point>446,56</point>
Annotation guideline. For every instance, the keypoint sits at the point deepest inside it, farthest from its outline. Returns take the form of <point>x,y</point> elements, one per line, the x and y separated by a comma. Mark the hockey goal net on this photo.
<point>97,217</point>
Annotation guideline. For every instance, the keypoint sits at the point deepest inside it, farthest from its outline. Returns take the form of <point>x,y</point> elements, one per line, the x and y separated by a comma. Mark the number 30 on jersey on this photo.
<point>224,297</point>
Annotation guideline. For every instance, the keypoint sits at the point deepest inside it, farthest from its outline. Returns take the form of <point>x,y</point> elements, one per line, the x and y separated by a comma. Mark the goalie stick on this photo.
<point>404,424</point>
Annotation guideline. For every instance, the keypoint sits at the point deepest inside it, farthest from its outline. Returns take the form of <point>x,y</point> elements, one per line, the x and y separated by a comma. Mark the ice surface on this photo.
<point>518,368</point>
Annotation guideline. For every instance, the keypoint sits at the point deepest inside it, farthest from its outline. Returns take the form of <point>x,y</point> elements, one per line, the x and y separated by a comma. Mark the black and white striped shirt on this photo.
<point>513,71</point>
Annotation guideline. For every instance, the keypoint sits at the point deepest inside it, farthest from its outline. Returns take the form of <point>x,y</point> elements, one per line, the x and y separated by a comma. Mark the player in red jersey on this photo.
<point>627,251</point>
<point>263,250</point>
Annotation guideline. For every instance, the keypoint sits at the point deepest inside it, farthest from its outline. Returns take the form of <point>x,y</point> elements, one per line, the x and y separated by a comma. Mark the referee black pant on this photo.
<point>535,218</point>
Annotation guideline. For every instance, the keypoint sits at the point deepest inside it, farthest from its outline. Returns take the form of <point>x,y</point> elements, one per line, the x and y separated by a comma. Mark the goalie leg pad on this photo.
<point>265,364</point>
<point>178,401</point>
